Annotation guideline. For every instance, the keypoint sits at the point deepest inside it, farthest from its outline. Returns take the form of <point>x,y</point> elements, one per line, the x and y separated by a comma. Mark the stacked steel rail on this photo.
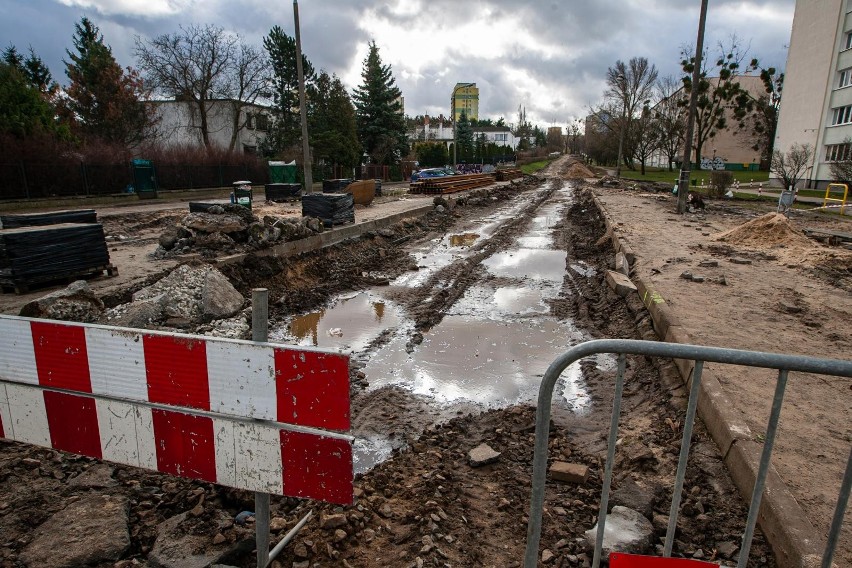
<point>451,184</point>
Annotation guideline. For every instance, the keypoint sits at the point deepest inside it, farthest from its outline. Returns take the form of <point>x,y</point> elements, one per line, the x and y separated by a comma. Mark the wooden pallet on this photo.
<point>22,285</point>
<point>508,174</point>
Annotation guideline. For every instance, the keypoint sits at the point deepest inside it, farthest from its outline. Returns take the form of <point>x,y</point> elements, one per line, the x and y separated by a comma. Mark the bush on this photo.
<point>720,181</point>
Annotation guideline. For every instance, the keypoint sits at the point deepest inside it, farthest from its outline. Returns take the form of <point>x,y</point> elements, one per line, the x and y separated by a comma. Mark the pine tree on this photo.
<point>104,102</point>
<point>331,118</point>
<point>464,138</point>
<point>378,112</point>
<point>286,129</point>
<point>23,111</point>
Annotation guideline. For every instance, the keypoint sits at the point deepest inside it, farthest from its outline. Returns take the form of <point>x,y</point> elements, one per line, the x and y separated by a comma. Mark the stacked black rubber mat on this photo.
<point>331,208</point>
<point>38,254</point>
<point>282,191</point>
<point>52,218</point>
<point>335,185</point>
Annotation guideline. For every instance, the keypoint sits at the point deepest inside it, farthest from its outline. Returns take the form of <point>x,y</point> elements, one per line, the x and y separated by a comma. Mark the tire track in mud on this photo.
<point>428,304</point>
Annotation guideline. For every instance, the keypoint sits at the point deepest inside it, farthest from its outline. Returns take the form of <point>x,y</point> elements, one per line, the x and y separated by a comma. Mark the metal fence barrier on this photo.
<point>783,363</point>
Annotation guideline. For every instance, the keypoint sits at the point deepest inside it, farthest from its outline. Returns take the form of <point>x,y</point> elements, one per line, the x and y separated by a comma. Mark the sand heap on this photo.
<point>577,170</point>
<point>770,230</point>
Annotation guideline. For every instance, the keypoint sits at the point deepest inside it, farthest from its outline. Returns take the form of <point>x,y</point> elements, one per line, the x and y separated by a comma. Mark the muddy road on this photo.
<point>450,320</point>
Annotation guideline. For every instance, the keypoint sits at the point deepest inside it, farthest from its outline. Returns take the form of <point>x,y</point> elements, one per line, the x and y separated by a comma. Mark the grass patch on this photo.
<point>663,175</point>
<point>535,166</point>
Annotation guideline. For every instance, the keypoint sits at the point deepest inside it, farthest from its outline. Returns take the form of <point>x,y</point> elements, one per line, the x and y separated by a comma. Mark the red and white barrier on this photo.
<point>236,413</point>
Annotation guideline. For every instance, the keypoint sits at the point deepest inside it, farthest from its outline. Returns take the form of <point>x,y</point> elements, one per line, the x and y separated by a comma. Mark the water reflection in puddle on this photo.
<point>530,263</point>
<point>349,325</point>
<point>487,362</point>
<point>463,240</point>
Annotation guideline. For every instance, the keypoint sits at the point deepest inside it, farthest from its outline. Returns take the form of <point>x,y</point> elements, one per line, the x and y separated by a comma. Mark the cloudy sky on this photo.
<point>550,56</point>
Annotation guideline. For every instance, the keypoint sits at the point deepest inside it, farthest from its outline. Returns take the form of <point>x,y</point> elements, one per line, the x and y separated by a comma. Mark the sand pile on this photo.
<point>770,230</point>
<point>774,233</point>
<point>577,170</point>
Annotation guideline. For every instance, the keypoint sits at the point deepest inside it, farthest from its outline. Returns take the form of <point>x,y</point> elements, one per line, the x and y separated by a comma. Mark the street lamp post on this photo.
<point>455,122</point>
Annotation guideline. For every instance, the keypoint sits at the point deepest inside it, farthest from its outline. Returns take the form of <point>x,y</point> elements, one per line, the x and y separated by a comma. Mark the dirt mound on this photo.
<point>577,170</point>
<point>772,230</point>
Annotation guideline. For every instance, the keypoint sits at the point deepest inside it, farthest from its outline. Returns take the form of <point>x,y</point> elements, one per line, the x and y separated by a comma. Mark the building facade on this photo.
<point>179,124</point>
<point>464,98</point>
<point>816,108</point>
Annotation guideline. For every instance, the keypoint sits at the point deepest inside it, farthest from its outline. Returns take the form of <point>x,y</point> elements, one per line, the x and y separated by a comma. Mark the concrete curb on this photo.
<point>794,541</point>
<point>330,237</point>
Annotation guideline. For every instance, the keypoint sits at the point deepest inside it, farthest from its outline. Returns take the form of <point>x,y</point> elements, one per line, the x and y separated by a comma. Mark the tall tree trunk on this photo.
<point>205,128</point>
<point>235,124</point>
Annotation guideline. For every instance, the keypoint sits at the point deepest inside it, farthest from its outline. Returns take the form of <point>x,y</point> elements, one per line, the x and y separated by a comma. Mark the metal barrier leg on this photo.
<point>759,483</point>
<point>839,511</point>
<point>260,332</point>
<point>610,459</point>
<point>684,456</point>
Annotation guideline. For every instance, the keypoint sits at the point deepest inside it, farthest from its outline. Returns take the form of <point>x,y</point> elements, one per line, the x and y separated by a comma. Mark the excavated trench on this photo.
<point>450,320</point>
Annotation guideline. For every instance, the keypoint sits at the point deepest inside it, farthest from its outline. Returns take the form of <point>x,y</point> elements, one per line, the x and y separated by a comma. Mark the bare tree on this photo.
<point>248,79</point>
<point>645,137</point>
<point>791,166</point>
<point>629,87</point>
<point>841,162</point>
<point>671,119</point>
<point>192,65</point>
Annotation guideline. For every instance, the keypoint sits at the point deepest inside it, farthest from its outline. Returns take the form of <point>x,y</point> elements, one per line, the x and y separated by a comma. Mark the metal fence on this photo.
<point>783,363</point>
<point>23,180</point>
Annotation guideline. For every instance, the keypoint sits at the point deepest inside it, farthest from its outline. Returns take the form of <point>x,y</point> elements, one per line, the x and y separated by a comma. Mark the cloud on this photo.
<point>550,56</point>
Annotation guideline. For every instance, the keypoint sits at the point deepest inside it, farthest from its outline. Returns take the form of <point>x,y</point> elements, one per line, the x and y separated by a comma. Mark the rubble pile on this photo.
<point>231,228</point>
<point>187,297</point>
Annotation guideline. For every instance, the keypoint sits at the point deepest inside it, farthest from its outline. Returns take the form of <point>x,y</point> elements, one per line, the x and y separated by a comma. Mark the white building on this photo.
<point>180,124</point>
<point>500,135</point>
<point>816,107</point>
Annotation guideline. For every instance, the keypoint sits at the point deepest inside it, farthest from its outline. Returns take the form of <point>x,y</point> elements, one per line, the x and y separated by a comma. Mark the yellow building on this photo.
<point>465,98</point>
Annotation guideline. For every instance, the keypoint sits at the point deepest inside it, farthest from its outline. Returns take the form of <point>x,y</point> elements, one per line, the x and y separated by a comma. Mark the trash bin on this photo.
<point>242,193</point>
<point>144,179</point>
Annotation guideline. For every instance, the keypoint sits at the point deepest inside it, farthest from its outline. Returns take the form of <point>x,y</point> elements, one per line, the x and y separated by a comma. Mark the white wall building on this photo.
<point>501,135</point>
<point>180,124</point>
<point>816,107</point>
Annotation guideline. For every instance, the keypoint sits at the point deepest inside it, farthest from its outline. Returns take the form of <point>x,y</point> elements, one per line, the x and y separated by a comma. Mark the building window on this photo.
<point>838,152</point>
<point>500,137</point>
<point>252,150</point>
<point>845,78</point>
<point>842,115</point>
<point>262,122</point>
<point>848,41</point>
<point>249,121</point>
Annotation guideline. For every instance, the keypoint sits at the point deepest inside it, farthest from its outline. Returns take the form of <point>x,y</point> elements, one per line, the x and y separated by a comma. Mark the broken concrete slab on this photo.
<point>483,454</point>
<point>88,532</point>
<point>626,530</point>
<point>620,283</point>
<point>622,265</point>
<point>569,472</point>
<point>77,302</point>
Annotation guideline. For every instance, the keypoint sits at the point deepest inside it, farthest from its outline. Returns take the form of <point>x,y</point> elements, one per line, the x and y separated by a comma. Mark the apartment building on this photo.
<point>464,98</point>
<point>816,107</point>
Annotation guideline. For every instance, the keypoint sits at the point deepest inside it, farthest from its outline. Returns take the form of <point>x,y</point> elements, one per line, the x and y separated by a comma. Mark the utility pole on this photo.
<point>306,149</point>
<point>686,165</point>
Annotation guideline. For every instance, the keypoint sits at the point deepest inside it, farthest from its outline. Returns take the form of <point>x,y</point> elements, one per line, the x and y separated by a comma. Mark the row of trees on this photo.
<point>644,113</point>
<point>105,105</point>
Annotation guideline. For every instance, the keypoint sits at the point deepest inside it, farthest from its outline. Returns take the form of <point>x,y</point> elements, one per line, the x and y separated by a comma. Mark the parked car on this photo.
<point>429,173</point>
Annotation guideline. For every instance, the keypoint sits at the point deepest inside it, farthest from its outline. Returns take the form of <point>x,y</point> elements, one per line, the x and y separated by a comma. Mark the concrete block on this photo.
<point>569,472</point>
<point>620,283</point>
<point>622,264</point>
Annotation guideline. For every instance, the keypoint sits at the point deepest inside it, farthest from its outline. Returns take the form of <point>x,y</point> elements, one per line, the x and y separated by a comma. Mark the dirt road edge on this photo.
<point>792,537</point>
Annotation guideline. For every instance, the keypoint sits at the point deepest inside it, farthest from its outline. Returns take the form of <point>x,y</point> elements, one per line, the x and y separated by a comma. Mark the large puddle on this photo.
<point>491,348</point>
